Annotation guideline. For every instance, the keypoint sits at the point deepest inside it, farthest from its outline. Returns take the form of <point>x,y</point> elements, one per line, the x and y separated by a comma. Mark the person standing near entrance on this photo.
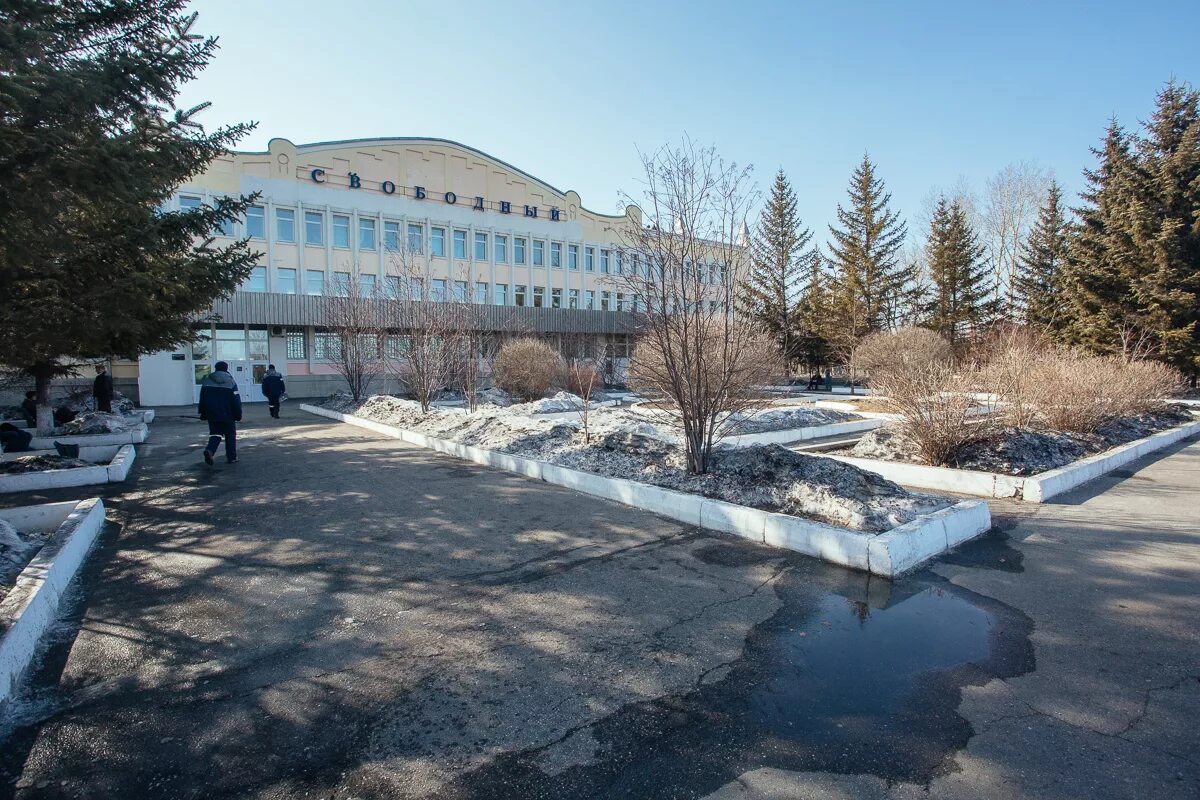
<point>221,407</point>
<point>102,389</point>
<point>273,388</point>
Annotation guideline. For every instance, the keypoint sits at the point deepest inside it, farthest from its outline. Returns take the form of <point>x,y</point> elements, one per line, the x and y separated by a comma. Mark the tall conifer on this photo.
<point>1039,284</point>
<point>961,288</point>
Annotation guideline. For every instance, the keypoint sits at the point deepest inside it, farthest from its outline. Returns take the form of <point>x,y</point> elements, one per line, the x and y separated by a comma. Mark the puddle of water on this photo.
<point>852,675</point>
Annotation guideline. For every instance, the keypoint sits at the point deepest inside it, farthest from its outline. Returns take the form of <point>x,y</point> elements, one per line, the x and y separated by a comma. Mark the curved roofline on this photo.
<point>434,139</point>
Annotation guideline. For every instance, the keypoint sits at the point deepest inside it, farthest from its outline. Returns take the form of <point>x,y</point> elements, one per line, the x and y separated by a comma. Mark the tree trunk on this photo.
<point>45,414</point>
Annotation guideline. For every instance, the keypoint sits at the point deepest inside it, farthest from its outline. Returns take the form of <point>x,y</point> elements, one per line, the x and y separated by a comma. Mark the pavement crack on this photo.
<point>779,571</point>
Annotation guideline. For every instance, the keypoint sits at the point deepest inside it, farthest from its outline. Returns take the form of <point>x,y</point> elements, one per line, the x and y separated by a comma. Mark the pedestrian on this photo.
<point>102,389</point>
<point>273,388</point>
<point>221,407</point>
<point>814,381</point>
<point>828,380</point>
<point>29,408</point>
<point>13,439</point>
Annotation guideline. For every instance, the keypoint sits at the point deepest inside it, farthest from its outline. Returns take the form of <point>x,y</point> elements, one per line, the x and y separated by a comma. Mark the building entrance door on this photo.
<point>247,374</point>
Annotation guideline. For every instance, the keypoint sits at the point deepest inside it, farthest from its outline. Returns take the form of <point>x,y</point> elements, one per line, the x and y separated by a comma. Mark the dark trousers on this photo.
<point>273,406</point>
<point>217,430</point>
<point>104,404</point>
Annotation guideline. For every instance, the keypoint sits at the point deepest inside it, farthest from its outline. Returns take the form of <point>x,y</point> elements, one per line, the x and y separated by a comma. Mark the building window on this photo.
<point>604,296</point>
<point>341,284</point>
<point>391,237</point>
<point>285,281</point>
<point>366,285</point>
<point>539,296</point>
<point>604,256</point>
<point>589,259</point>
<point>416,238</point>
<point>326,345</point>
<point>257,281</point>
<point>341,230</point>
<point>481,291</point>
<point>366,234</point>
<point>573,298</point>
<point>518,295</point>
<point>396,346</point>
<point>556,255</point>
<point>621,302</point>
<point>285,225</point>
<point>437,290</point>
<point>296,349</point>
<point>500,295</point>
<point>500,249</point>
<point>187,202</point>
<point>315,282</point>
<point>481,246</point>
<point>556,298</point>
<point>437,242</point>
<point>539,253</point>
<point>230,344</point>
<point>416,289</point>
<point>619,266</point>
<point>256,222</point>
<point>460,244</point>
<point>518,250</point>
<point>573,256</point>
<point>460,291</point>
<point>589,300</point>
<point>314,228</point>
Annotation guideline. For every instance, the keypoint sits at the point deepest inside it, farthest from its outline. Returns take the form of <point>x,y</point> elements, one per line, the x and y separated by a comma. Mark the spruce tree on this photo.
<point>864,258</point>
<point>959,276</point>
<point>90,152</point>
<point>1040,282</point>
<point>782,264</point>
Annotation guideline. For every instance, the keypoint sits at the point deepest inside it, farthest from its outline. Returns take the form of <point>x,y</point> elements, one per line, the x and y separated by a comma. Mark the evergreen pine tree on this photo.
<point>961,288</point>
<point>90,153</point>
<point>1039,284</point>
<point>781,265</point>
<point>864,258</point>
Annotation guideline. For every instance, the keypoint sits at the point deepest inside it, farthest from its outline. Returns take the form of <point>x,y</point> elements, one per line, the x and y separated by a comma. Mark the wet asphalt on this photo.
<point>342,616</point>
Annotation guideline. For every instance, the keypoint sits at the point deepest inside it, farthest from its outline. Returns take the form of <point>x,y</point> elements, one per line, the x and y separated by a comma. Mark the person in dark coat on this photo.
<point>13,439</point>
<point>102,389</point>
<point>221,407</point>
<point>29,408</point>
<point>273,388</point>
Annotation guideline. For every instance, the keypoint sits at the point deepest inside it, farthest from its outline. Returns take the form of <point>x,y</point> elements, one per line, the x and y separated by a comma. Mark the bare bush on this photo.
<point>526,368</point>
<point>901,349</point>
<point>354,316</point>
<point>1010,356</point>
<point>1078,392</point>
<point>937,408</point>
<point>583,378</point>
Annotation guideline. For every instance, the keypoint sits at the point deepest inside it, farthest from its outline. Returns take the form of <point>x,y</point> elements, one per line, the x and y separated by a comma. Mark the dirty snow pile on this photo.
<point>16,550</point>
<point>38,463</point>
<point>770,478</point>
<point>1024,451</point>
<point>559,402</point>
<point>94,422</point>
<point>493,397</point>
<point>81,401</point>
<point>782,419</point>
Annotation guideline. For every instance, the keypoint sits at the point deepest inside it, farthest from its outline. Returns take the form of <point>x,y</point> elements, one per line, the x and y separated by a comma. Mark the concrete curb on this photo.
<point>802,434</point>
<point>888,554</point>
<point>31,608</point>
<point>116,470</point>
<point>135,435</point>
<point>1032,488</point>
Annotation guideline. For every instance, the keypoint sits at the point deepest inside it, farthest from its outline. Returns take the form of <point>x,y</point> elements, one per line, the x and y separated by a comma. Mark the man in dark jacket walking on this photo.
<point>273,388</point>
<point>102,389</point>
<point>221,406</point>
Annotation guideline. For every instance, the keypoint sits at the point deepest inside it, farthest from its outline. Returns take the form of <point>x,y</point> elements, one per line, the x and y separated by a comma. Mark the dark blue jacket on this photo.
<point>219,398</point>
<point>273,386</point>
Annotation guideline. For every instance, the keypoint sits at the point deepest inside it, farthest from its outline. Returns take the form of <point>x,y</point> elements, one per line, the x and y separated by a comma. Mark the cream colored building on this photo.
<point>462,223</point>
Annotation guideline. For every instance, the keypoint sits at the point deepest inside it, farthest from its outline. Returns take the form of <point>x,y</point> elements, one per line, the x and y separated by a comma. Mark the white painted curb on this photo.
<point>1032,488</point>
<point>31,608</point>
<point>802,434</point>
<point>888,554</point>
<point>116,470</point>
<point>135,435</point>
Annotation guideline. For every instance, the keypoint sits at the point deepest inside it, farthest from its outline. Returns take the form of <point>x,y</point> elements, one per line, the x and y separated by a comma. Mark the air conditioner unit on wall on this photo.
<point>277,330</point>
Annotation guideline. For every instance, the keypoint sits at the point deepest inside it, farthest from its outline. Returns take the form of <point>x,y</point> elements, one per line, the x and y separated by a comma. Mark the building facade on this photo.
<point>429,217</point>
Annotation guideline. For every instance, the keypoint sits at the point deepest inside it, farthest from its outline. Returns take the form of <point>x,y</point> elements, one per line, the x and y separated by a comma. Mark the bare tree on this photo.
<point>1012,198</point>
<point>584,356</point>
<point>686,253</point>
<point>422,334</point>
<point>353,317</point>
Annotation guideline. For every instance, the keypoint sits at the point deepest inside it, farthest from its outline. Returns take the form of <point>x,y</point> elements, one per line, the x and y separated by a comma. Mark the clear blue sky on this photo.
<point>933,91</point>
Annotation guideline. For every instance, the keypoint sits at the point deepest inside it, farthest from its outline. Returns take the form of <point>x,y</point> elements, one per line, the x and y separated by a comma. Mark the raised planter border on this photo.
<point>888,554</point>
<point>1031,488</point>
<point>135,435</point>
<point>802,434</point>
<point>32,606</point>
<point>115,471</point>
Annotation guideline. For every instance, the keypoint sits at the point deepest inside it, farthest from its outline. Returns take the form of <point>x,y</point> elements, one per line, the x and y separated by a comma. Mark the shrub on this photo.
<point>583,378</point>
<point>936,405</point>
<point>526,368</point>
<point>1077,392</point>
<point>902,349</point>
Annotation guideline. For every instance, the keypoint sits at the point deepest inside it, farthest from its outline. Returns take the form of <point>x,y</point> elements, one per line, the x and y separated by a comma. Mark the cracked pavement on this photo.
<point>344,616</point>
